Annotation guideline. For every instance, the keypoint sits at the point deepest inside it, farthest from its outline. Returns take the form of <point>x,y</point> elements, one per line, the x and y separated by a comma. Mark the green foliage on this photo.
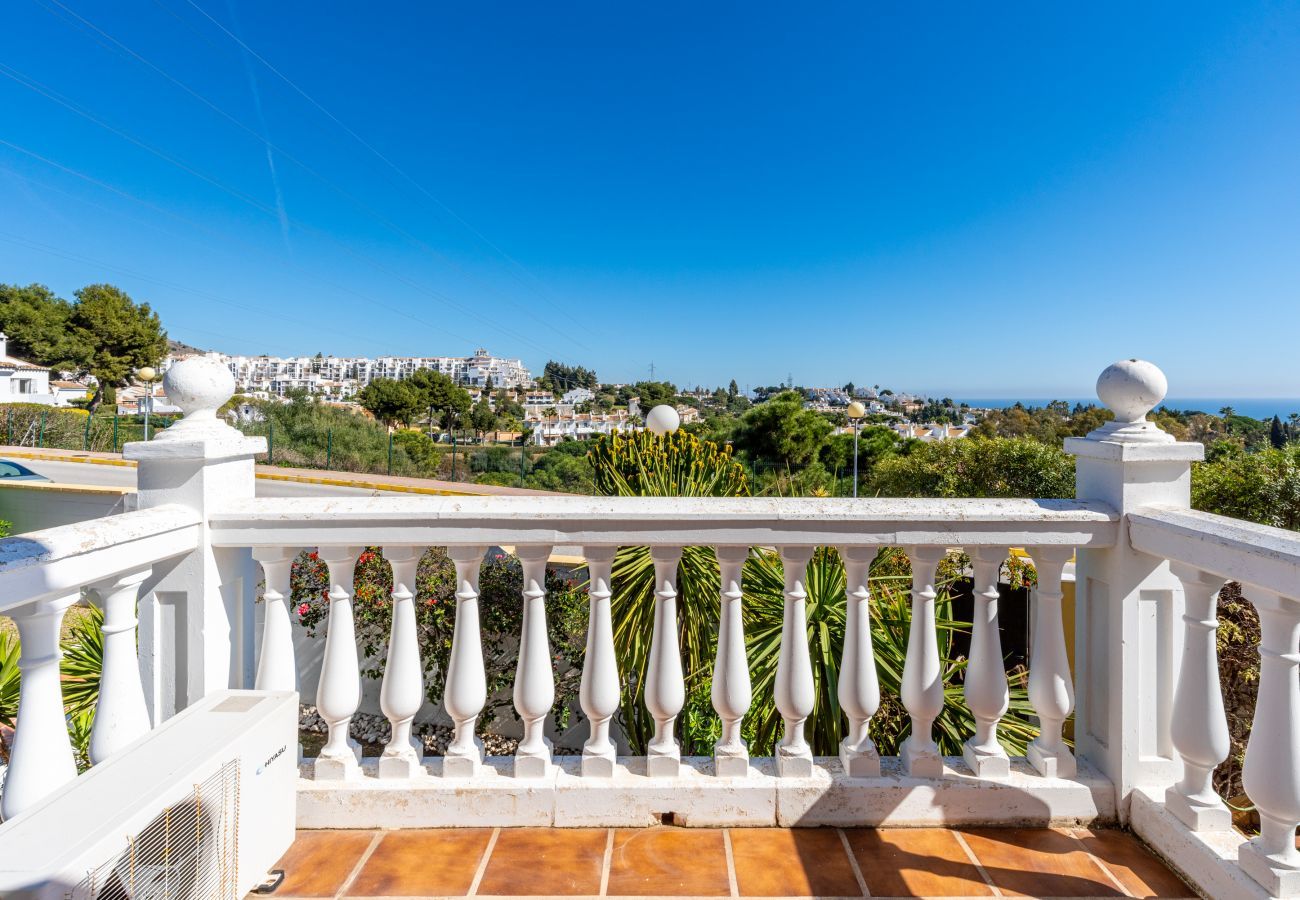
<point>500,610</point>
<point>643,464</point>
<point>652,393</point>
<point>977,467</point>
<point>114,335</point>
<point>1262,487</point>
<point>390,401</point>
<point>559,378</point>
<point>781,430</point>
<point>447,402</point>
<point>37,324</point>
<point>9,680</point>
<point>482,417</point>
<point>83,660</point>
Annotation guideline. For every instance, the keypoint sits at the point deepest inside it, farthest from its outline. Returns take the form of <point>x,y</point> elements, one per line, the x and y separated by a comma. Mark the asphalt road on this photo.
<point>124,476</point>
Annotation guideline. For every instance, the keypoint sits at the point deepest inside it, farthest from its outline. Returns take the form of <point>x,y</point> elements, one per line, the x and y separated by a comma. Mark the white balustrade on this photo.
<point>1199,730</point>
<point>465,690</point>
<point>731,692</point>
<point>41,759</point>
<point>859,685</point>
<point>598,693</point>
<point>1051,689</point>
<point>402,693</point>
<point>277,669</point>
<point>121,715</point>
<point>535,675</point>
<point>665,688</point>
<point>987,693</point>
<point>1271,775</point>
<point>795,695</point>
<point>339,693</point>
<point>922,688</point>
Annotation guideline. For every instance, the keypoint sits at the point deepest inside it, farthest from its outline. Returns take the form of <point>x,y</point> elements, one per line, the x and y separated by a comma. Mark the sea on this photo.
<point>1254,407</point>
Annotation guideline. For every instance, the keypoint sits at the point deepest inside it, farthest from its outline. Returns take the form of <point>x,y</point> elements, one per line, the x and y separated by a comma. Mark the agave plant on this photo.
<point>9,678</point>
<point>83,660</point>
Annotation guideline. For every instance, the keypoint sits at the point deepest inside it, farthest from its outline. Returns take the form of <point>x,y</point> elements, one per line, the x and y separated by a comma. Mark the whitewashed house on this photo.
<point>21,381</point>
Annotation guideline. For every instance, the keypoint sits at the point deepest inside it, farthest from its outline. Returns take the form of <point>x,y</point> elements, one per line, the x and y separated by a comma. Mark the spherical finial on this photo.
<point>199,386</point>
<point>1131,388</point>
<point>856,410</point>
<point>663,419</point>
<point>146,373</point>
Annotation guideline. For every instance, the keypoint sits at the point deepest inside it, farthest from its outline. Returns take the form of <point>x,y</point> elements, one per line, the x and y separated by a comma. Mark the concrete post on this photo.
<point>1128,634</point>
<point>196,621</point>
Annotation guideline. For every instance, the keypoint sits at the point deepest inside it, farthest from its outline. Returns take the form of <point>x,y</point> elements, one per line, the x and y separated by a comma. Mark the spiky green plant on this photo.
<point>644,464</point>
<point>83,660</point>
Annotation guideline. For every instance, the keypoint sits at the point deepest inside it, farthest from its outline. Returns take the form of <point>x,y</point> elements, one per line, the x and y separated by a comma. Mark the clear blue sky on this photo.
<point>960,198</point>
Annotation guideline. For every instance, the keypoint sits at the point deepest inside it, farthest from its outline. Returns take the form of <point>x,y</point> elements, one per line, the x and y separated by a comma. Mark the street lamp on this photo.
<point>147,374</point>
<point>855,413</point>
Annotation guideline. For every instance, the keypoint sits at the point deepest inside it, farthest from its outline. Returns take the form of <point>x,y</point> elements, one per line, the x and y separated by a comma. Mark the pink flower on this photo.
<point>303,609</point>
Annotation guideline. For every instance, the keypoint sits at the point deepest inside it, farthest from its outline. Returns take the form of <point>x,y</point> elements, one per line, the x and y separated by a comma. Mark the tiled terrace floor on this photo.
<point>738,862</point>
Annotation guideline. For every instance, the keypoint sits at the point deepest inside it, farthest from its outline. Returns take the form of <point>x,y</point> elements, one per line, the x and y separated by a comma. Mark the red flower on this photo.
<point>303,609</point>
<point>313,555</point>
<point>366,557</point>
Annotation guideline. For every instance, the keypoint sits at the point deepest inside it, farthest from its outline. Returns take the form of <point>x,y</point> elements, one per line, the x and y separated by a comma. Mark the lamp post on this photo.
<point>855,413</point>
<point>147,374</point>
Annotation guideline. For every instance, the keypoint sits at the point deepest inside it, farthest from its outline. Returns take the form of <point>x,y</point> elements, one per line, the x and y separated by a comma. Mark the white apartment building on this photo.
<point>21,381</point>
<point>341,377</point>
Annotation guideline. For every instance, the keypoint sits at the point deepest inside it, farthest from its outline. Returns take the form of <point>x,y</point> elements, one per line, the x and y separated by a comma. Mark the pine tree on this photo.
<point>1277,434</point>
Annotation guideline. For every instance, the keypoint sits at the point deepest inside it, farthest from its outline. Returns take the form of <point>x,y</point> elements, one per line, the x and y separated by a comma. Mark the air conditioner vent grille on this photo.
<point>188,852</point>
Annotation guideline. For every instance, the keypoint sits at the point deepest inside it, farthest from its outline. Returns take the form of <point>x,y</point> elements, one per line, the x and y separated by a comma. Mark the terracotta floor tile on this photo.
<point>915,862</point>
<point>421,863</point>
<point>792,862</point>
<point>1038,862</point>
<point>540,861</point>
<point>320,861</point>
<point>1141,873</point>
<point>651,862</point>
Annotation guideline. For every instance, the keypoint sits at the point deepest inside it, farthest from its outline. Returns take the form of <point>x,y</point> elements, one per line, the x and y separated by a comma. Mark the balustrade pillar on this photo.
<point>41,758</point>
<point>665,688</point>
<point>859,685</point>
<point>731,693</point>
<point>535,675</point>
<point>121,715</point>
<point>1199,726</point>
<point>277,669</point>
<point>339,692</point>
<point>465,691</point>
<point>922,688</point>
<point>599,691</point>
<point>1271,775</point>
<point>402,693</point>
<point>987,693</point>
<point>795,695</point>
<point>1051,688</point>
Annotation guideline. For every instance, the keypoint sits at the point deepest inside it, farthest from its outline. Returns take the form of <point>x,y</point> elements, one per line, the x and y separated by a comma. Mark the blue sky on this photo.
<point>969,199</point>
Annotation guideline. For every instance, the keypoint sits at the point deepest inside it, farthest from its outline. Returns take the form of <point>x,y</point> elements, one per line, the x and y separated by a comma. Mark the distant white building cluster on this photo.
<point>342,377</point>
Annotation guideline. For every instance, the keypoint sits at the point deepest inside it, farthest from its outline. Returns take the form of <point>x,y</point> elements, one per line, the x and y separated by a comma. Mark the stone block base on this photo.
<point>663,766</point>
<point>731,766</point>
<point>1057,763</point>
<point>461,766</point>
<point>986,764</point>
<point>1278,881</point>
<point>859,763</point>
<point>598,765</point>
<point>920,762</point>
<point>794,765</point>
<point>1197,818</point>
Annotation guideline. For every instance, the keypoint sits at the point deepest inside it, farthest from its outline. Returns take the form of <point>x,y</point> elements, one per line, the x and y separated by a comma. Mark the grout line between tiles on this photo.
<point>607,862</point>
<point>356,870</point>
<point>975,861</point>
<point>853,863</point>
<point>732,884</point>
<point>1119,885</point>
<point>483,863</point>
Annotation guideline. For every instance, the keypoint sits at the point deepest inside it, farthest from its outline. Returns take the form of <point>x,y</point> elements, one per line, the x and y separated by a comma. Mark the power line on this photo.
<point>271,146</point>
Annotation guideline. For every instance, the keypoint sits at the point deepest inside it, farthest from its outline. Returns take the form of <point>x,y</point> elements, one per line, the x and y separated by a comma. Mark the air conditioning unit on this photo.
<point>198,809</point>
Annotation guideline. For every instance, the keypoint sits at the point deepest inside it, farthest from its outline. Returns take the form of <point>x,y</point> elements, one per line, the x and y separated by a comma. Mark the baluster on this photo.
<point>41,759</point>
<point>277,670</point>
<point>339,692</point>
<point>599,691</point>
<point>1051,689</point>
<point>859,685</point>
<point>794,679</point>
<point>1199,730</point>
<point>466,687</point>
<point>731,692</point>
<point>121,714</point>
<point>534,675</point>
<point>665,688</point>
<point>402,691</point>
<point>922,688</point>
<point>987,693</point>
<point>1271,775</point>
